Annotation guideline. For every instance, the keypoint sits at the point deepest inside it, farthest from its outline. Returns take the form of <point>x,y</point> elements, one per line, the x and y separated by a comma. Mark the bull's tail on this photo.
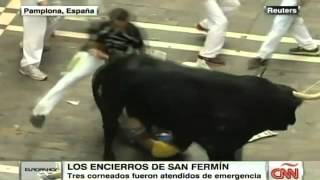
<point>108,103</point>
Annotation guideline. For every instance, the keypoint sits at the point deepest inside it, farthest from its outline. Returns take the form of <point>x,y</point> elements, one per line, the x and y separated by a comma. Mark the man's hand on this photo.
<point>99,54</point>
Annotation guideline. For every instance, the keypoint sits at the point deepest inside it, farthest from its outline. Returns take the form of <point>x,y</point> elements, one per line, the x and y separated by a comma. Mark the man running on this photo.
<point>216,25</point>
<point>282,24</point>
<point>116,37</point>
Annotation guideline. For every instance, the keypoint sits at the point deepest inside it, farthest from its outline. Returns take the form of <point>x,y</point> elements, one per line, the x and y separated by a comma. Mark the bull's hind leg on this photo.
<point>110,114</point>
<point>110,107</point>
<point>109,135</point>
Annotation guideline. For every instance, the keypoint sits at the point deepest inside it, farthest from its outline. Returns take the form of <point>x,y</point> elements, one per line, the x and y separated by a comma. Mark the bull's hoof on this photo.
<point>37,121</point>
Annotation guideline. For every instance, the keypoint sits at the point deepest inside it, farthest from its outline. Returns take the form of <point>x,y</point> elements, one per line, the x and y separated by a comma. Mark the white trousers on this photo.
<point>282,24</point>
<point>86,65</point>
<point>37,30</point>
<point>218,13</point>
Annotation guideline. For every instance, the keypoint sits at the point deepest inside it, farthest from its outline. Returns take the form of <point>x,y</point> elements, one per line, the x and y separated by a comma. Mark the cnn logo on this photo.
<point>286,170</point>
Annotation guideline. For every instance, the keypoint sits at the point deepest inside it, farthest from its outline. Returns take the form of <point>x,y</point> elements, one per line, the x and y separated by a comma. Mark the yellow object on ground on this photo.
<point>161,149</point>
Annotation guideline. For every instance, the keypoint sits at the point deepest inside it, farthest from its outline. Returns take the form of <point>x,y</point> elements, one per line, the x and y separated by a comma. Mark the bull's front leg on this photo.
<point>108,154</point>
<point>107,95</point>
<point>110,115</point>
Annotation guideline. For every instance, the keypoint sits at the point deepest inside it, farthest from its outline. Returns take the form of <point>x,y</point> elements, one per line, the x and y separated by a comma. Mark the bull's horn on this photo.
<point>306,96</point>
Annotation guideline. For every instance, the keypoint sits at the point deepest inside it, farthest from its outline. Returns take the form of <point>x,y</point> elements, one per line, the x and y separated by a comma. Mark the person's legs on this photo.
<point>52,24</point>
<point>281,25</point>
<point>229,7</point>
<point>217,23</point>
<point>203,25</point>
<point>86,66</point>
<point>33,40</point>
<point>306,45</point>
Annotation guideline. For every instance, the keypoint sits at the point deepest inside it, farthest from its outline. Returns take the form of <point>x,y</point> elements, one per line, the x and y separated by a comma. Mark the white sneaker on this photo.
<point>199,64</point>
<point>34,72</point>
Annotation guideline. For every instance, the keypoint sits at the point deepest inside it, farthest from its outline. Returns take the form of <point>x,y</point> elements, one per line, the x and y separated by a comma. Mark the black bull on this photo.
<point>219,111</point>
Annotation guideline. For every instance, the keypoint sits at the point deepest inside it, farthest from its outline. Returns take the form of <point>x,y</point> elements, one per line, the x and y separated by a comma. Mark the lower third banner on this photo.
<point>165,170</point>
